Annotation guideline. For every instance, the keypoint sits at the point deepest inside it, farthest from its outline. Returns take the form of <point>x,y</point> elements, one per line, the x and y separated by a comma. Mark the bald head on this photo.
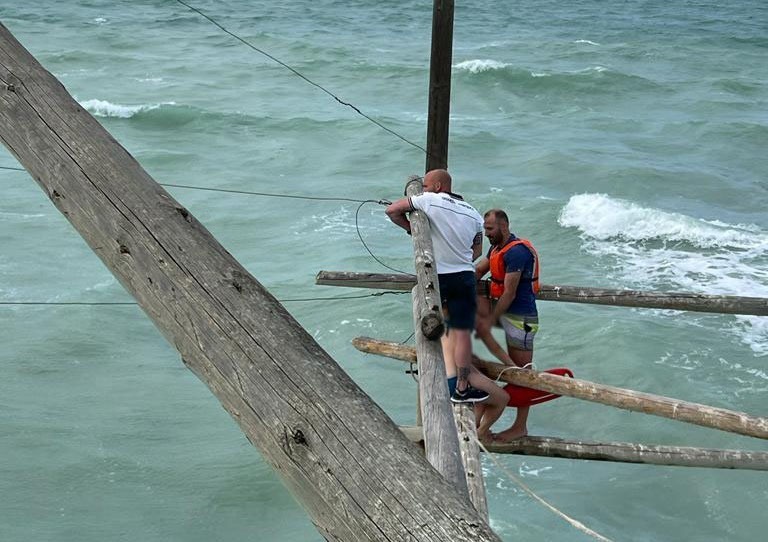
<point>437,180</point>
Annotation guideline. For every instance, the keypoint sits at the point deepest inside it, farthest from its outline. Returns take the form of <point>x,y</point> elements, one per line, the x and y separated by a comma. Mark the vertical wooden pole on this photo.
<point>441,440</point>
<point>440,84</point>
<point>464,416</point>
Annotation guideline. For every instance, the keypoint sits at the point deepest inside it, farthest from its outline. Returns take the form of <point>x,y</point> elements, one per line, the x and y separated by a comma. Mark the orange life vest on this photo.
<point>498,271</point>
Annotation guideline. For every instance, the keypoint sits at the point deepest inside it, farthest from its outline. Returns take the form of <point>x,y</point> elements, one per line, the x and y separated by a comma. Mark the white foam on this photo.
<point>601,217</point>
<point>103,108</point>
<point>653,249</point>
<point>588,42</point>
<point>479,65</point>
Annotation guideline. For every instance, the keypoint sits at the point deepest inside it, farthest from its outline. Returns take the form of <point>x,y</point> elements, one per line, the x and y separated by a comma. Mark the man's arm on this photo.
<point>477,246</point>
<point>511,280</point>
<point>482,267</point>
<point>396,212</point>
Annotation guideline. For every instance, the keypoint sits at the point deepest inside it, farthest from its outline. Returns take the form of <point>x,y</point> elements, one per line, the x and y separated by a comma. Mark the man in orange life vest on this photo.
<point>514,267</point>
<point>456,232</point>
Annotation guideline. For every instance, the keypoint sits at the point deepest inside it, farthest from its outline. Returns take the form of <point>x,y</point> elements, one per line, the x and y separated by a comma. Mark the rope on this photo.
<point>302,76</point>
<point>513,368</point>
<point>575,523</point>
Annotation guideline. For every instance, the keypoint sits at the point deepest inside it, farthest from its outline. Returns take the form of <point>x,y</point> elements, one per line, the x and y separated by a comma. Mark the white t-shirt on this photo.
<point>454,224</point>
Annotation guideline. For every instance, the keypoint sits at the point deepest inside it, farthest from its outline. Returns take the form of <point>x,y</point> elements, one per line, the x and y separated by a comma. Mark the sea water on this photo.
<point>627,140</point>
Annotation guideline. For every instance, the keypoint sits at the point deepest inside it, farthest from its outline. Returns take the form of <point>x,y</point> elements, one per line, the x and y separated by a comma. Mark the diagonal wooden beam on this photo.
<point>344,460</point>
<point>657,405</point>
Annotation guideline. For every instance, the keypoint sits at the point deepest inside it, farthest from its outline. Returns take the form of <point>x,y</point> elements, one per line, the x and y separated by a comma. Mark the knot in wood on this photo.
<point>298,437</point>
<point>11,87</point>
<point>124,249</point>
<point>184,213</point>
<point>432,326</point>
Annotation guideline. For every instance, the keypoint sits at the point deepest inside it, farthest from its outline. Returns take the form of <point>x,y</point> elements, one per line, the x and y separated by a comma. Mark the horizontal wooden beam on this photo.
<point>623,452</point>
<point>679,301</point>
<point>657,405</point>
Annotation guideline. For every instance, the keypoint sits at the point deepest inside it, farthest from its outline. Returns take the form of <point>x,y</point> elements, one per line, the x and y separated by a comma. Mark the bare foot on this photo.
<point>486,437</point>
<point>511,434</point>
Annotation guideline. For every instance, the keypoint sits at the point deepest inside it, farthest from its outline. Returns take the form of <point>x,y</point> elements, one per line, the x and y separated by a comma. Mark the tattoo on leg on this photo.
<point>463,374</point>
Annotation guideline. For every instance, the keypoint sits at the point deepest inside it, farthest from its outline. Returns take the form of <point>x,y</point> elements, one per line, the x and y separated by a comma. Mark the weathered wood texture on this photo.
<point>665,407</point>
<point>340,455</point>
<point>623,452</point>
<point>430,317</point>
<point>680,301</point>
<point>441,442</point>
<point>464,416</point>
<point>439,106</point>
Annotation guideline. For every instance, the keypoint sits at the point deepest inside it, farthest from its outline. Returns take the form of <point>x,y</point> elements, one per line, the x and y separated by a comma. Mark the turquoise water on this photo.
<point>627,140</point>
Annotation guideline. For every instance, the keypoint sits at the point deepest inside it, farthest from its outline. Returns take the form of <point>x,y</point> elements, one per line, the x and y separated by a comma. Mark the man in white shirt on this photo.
<point>457,239</point>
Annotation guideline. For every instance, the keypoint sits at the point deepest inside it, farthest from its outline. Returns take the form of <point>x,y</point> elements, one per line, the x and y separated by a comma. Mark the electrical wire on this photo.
<point>302,76</point>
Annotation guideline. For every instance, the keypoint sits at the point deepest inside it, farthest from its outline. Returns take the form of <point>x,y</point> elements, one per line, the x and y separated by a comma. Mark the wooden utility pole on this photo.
<point>343,459</point>
<point>441,441</point>
<point>440,85</point>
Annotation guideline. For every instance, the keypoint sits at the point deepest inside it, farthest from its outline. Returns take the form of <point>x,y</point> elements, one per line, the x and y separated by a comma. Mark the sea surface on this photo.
<point>627,140</point>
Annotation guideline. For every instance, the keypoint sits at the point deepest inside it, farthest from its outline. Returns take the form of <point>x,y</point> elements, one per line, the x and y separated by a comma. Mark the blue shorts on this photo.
<point>459,298</point>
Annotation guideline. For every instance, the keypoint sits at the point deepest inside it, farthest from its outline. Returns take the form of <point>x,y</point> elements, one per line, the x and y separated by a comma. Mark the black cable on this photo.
<point>376,294</point>
<point>273,195</point>
<point>357,227</point>
<point>13,168</point>
<point>292,196</point>
<point>308,80</point>
<point>66,303</point>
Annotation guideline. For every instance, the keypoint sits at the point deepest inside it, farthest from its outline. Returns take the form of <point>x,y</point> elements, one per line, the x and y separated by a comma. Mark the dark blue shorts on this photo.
<point>458,294</point>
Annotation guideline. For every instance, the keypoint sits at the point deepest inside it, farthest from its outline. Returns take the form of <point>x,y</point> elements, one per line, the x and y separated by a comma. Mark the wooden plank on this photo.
<point>680,301</point>
<point>657,405</point>
<point>344,460</point>
<point>623,452</point>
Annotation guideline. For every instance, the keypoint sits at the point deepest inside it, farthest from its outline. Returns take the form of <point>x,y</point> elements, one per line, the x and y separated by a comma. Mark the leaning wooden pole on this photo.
<point>439,107</point>
<point>665,407</point>
<point>336,450</point>
<point>679,301</point>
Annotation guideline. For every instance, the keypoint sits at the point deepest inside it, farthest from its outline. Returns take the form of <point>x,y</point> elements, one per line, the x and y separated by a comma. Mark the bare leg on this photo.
<point>461,345</point>
<point>521,358</point>
<point>493,407</point>
<point>447,341</point>
<point>483,330</point>
<point>518,429</point>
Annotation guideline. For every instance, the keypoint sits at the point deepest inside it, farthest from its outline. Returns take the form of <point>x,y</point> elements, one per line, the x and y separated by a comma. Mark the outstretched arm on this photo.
<point>397,213</point>
<point>511,280</point>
